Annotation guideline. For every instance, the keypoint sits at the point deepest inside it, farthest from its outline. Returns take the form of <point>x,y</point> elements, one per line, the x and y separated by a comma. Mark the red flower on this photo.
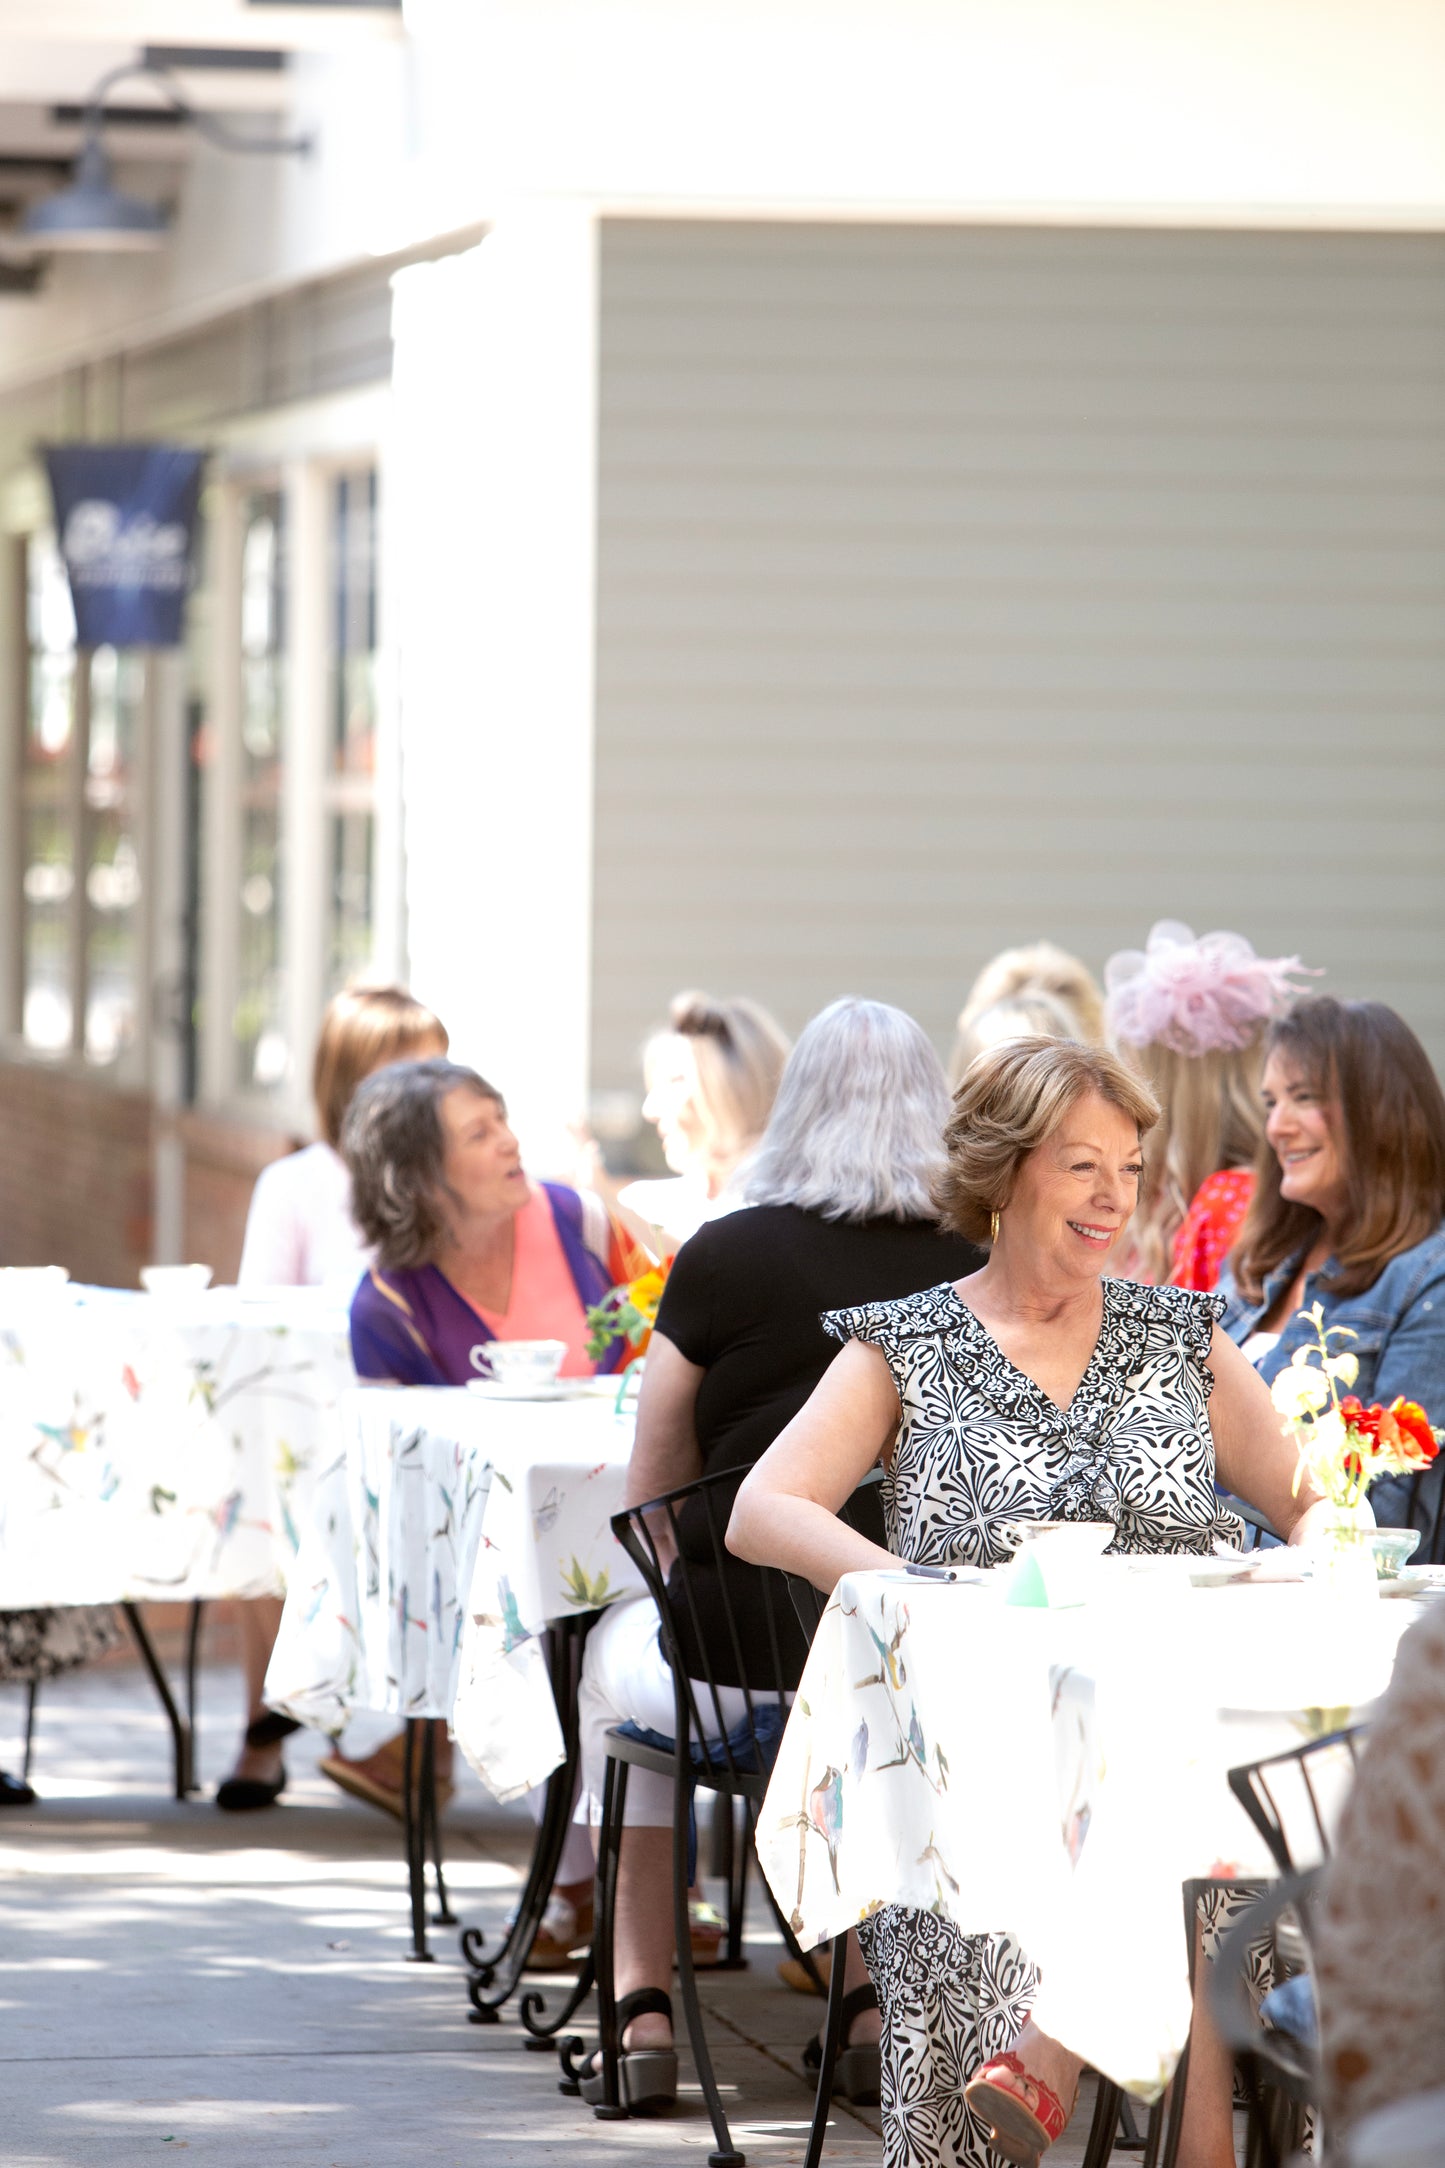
<point>1416,1433</point>
<point>1360,1418</point>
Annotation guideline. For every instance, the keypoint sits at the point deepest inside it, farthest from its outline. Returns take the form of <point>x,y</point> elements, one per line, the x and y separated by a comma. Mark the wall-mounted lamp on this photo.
<point>92,213</point>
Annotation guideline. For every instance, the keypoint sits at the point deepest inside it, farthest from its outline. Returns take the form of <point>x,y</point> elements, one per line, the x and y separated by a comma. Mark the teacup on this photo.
<point>1056,1561</point>
<point>527,1363</point>
<point>175,1279</point>
<point>28,1280</point>
<point>1391,1548</point>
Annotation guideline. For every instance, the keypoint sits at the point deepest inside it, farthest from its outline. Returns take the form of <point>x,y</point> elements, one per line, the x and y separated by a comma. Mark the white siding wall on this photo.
<point>959,587</point>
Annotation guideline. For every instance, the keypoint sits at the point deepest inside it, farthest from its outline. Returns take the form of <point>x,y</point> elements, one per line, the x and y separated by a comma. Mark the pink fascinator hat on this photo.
<point>1207,996</point>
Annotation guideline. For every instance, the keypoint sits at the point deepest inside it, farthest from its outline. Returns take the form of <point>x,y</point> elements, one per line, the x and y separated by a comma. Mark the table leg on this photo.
<point>444,1915</point>
<point>180,1727</point>
<point>493,1980</point>
<point>418,1755</point>
<point>193,1657</point>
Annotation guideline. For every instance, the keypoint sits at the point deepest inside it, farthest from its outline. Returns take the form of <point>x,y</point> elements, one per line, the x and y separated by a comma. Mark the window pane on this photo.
<point>112,875</point>
<point>349,906</point>
<point>353,647</point>
<point>48,880</point>
<point>50,627</point>
<point>47,825</point>
<point>258,1023</point>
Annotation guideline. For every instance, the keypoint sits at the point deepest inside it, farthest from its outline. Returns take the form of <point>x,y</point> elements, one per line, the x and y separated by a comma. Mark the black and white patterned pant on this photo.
<point>949,2001</point>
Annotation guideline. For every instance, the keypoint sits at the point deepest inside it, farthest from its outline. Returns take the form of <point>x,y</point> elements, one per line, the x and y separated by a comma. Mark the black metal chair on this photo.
<point>1280,2069</point>
<point>1289,1797</point>
<point>1426,1511</point>
<point>701,1625</point>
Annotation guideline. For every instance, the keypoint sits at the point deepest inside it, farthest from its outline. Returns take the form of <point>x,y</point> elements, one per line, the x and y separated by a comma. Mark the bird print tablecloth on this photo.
<point>450,1531</point>
<point>155,1448</point>
<point>1055,1774</point>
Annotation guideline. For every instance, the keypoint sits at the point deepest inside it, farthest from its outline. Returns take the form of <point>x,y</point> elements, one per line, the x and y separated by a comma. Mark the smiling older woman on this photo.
<point>1035,1388</point>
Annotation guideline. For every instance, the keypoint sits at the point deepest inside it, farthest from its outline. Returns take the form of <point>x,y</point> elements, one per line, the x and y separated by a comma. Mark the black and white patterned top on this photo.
<point>981,1444</point>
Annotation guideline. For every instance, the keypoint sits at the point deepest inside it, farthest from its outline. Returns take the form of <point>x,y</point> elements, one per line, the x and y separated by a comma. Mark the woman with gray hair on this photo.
<point>841,1194</point>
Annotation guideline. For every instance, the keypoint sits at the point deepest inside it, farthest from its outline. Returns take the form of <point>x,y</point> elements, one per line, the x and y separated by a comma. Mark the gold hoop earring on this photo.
<point>993,1228</point>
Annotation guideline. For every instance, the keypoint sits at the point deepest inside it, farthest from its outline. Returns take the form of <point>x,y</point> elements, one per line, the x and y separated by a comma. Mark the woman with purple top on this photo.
<point>467,1249</point>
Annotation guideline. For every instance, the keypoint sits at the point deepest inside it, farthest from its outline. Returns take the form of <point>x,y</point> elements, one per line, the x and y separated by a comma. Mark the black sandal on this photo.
<point>858,2072</point>
<point>646,2077</point>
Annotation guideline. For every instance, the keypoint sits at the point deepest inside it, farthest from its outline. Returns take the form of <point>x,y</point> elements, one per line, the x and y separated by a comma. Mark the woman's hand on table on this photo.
<point>786,1513</point>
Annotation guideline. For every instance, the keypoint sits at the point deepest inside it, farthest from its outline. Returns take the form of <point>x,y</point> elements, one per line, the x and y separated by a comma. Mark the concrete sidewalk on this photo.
<point>177,1980</point>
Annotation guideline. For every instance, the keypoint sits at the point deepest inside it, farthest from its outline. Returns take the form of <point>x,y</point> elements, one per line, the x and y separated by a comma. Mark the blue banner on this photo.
<point>126,518</point>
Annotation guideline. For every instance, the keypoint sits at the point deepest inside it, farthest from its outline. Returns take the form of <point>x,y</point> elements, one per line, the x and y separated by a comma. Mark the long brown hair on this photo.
<point>1386,1112</point>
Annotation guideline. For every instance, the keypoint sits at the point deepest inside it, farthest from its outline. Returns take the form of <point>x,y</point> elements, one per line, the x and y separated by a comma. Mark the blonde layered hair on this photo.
<point>1011,1101</point>
<point>1211,1119</point>
<point>738,1053</point>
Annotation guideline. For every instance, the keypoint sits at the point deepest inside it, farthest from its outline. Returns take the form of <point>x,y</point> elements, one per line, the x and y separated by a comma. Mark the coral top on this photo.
<point>544,1304</point>
<point>1210,1228</point>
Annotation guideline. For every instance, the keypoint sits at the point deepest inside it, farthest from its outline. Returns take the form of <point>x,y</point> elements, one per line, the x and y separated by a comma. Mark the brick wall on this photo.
<point>75,1175</point>
<point>223,1160</point>
<point>77,1183</point>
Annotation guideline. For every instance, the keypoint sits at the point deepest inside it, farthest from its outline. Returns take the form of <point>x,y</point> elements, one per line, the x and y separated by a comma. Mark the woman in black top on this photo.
<point>841,1211</point>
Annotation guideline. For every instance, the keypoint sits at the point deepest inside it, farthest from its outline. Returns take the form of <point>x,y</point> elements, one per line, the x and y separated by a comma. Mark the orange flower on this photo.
<point>1417,1440</point>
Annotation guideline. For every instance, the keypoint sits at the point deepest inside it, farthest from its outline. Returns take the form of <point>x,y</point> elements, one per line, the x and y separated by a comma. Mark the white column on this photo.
<point>490,566</point>
<point>304,837</point>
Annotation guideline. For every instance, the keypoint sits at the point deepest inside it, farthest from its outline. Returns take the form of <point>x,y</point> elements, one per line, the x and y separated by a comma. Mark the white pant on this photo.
<point>625,1675</point>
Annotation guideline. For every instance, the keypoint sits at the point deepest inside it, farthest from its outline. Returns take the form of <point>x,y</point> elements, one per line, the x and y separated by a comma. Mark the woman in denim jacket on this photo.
<point>1347,1212</point>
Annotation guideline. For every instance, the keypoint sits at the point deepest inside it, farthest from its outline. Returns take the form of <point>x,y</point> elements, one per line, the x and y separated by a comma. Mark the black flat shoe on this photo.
<point>15,1792</point>
<point>242,1795</point>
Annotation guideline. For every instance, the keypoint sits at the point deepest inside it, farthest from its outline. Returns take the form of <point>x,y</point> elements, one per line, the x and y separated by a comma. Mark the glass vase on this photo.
<point>1345,1561</point>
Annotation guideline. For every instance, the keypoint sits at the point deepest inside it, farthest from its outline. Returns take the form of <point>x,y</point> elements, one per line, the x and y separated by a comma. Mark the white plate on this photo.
<point>559,1389</point>
<point>1416,1581</point>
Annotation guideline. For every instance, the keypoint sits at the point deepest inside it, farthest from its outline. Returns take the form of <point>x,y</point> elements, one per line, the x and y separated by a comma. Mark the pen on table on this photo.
<point>932,1573</point>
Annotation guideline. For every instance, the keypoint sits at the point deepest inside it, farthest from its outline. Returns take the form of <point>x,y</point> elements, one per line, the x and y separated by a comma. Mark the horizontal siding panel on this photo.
<point>960,588</point>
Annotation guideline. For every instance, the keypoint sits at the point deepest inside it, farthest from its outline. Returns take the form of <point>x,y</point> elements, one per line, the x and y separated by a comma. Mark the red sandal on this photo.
<point>1024,2116</point>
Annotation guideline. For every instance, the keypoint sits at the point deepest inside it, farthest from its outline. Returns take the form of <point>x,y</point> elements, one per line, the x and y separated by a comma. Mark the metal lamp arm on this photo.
<point>205,124</point>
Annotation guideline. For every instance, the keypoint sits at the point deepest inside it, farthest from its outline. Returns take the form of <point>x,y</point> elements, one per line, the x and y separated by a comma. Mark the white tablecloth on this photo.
<point>449,1531</point>
<point>158,1448</point>
<point>1055,1773</point>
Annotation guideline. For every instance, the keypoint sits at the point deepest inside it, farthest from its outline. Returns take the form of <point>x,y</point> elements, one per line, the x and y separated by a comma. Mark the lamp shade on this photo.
<point>92,213</point>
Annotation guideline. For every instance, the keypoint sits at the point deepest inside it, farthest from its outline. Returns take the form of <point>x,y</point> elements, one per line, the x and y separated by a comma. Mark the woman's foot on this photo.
<point>1026,2096</point>
<point>257,1780</point>
<point>379,1778</point>
<point>858,2072</point>
<point>566,1927</point>
<point>647,2065</point>
<point>15,1792</point>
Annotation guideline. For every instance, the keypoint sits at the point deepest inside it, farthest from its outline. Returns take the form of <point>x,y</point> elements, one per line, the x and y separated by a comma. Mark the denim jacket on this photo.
<point>1399,1328</point>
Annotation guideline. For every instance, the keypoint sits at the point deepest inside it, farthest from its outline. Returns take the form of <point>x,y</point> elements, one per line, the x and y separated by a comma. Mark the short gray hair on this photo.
<point>395,1152</point>
<point>857,1130</point>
